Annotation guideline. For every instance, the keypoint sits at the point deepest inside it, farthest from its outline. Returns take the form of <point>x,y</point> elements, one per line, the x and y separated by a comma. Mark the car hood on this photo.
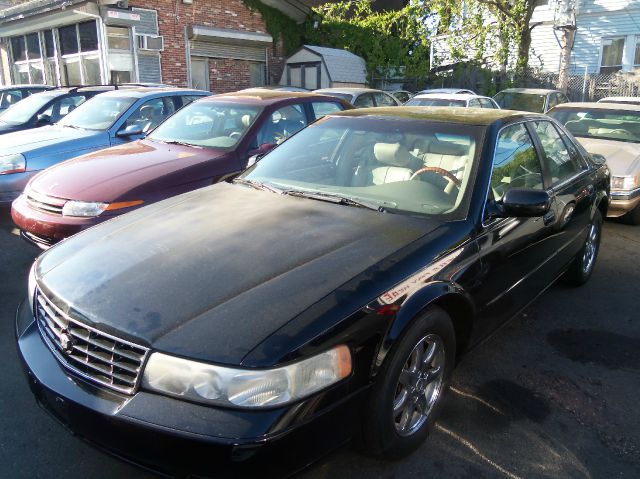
<point>211,273</point>
<point>48,140</point>
<point>106,175</point>
<point>622,158</point>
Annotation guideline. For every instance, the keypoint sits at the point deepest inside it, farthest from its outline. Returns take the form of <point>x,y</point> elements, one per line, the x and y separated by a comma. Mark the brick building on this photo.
<point>218,45</point>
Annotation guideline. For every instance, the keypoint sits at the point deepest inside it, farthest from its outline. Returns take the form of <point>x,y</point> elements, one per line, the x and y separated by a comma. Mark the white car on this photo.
<point>628,100</point>
<point>453,99</point>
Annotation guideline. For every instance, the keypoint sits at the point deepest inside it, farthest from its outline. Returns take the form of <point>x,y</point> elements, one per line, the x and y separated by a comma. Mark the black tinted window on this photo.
<point>68,40</point>
<point>33,46</point>
<point>18,48</point>
<point>88,36</point>
<point>515,163</point>
<point>561,163</point>
<point>48,43</point>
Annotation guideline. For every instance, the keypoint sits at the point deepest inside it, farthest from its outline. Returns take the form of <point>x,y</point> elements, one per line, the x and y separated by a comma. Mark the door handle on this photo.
<point>549,218</point>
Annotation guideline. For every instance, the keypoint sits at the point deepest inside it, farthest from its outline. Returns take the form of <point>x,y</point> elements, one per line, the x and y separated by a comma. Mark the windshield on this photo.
<point>399,165</point>
<point>434,102</point>
<point>597,123</point>
<point>99,113</point>
<point>210,124</point>
<point>22,111</point>
<point>521,101</point>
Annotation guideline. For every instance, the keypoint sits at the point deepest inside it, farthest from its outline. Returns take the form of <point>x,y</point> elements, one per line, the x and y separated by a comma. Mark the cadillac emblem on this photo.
<point>66,342</point>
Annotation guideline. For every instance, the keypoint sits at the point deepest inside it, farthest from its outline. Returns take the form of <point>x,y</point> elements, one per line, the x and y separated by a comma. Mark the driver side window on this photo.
<point>282,123</point>
<point>515,162</point>
<point>149,115</point>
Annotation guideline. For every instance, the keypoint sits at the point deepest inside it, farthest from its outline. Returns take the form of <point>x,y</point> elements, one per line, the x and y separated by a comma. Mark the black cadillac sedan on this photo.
<point>324,295</point>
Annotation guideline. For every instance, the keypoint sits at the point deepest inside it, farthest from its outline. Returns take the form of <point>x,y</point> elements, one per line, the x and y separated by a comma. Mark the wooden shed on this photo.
<point>321,67</point>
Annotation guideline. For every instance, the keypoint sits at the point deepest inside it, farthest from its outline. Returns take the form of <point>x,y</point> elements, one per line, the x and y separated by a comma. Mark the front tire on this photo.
<point>407,395</point>
<point>584,262</point>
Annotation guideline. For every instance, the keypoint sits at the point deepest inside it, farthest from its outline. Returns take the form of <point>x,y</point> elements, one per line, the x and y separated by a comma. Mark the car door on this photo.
<point>571,188</point>
<point>514,251</point>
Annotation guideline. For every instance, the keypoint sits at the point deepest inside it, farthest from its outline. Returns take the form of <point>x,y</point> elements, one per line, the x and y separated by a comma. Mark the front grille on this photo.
<point>94,355</point>
<point>46,203</point>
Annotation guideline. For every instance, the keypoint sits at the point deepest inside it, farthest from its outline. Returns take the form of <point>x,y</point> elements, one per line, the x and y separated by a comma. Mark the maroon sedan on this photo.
<point>208,141</point>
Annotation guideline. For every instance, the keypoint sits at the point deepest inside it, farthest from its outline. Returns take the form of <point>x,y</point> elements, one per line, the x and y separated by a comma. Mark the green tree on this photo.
<point>386,40</point>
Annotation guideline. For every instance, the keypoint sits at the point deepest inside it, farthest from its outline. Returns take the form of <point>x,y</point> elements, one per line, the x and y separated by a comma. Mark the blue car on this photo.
<point>108,119</point>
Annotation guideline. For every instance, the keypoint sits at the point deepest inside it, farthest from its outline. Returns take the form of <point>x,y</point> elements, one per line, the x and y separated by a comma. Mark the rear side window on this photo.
<point>323,108</point>
<point>384,100</point>
<point>486,103</point>
<point>364,101</point>
<point>562,165</point>
<point>515,163</point>
<point>474,103</point>
<point>10,97</point>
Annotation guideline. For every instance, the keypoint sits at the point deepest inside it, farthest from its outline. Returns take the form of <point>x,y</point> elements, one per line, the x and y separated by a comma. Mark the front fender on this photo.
<point>435,292</point>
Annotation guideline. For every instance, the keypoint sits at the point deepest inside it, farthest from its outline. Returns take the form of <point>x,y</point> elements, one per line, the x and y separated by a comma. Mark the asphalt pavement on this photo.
<point>554,393</point>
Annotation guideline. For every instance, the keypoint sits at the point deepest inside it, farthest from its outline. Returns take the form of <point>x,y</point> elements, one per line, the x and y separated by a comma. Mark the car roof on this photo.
<point>25,85</point>
<point>350,90</point>
<point>142,92</point>
<point>468,116</point>
<point>599,106</point>
<point>265,96</point>
<point>533,91</point>
<point>620,98</point>
<point>448,96</point>
<point>446,90</point>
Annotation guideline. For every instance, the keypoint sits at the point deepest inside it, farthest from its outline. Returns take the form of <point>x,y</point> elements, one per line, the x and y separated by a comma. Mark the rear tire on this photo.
<point>633,216</point>
<point>406,398</point>
<point>584,262</point>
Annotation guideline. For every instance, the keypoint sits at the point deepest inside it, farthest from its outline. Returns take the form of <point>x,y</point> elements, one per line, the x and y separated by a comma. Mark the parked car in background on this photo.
<point>537,100</point>
<point>280,88</point>
<point>453,91</point>
<point>631,100</point>
<point>361,97</point>
<point>12,94</point>
<point>206,142</point>
<point>613,131</point>
<point>326,293</point>
<point>452,99</point>
<point>47,107</point>
<point>402,96</point>
<point>108,119</point>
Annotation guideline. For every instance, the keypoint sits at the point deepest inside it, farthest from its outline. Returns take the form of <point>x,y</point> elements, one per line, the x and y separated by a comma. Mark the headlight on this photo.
<point>245,387</point>
<point>12,164</point>
<point>624,182</point>
<point>83,208</point>
<point>32,285</point>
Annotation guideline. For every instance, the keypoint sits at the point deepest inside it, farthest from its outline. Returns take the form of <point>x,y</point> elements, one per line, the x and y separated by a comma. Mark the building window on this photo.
<point>27,59</point>
<point>612,52</point>
<point>120,55</point>
<point>257,74</point>
<point>636,58</point>
<point>80,56</point>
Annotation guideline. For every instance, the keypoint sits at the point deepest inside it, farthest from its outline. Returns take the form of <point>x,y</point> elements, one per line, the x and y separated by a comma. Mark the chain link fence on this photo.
<point>584,87</point>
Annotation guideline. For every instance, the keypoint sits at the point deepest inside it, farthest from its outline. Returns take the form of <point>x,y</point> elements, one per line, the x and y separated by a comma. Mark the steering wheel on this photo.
<point>235,134</point>
<point>441,171</point>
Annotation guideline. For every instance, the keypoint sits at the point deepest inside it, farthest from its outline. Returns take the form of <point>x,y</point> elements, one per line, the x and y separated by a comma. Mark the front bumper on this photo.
<point>12,185</point>
<point>180,438</point>
<point>623,202</point>
<point>45,229</point>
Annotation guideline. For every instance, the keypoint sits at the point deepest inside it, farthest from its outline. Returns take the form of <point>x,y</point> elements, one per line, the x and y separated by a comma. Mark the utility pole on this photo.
<point>564,28</point>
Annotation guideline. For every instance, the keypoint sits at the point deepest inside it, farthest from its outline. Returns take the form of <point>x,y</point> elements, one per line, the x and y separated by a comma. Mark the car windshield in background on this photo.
<point>521,101</point>
<point>388,164</point>
<point>209,124</point>
<point>25,109</point>
<point>99,113</point>
<point>597,123</point>
<point>434,102</point>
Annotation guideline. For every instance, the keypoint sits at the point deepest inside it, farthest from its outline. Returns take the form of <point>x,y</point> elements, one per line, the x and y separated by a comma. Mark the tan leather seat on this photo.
<point>450,156</point>
<point>395,160</point>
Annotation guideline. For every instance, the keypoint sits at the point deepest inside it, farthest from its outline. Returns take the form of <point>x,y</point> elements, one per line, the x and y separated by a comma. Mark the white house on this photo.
<point>607,37</point>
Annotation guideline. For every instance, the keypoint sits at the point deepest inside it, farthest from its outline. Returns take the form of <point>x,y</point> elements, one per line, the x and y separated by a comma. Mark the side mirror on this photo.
<point>257,153</point>
<point>598,159</point>
<point>43,119</point>
<point>131,130</point>
<point>523,202</point>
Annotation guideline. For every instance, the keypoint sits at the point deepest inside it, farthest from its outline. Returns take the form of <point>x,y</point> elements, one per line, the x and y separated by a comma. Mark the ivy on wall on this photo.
<point>278,25</point>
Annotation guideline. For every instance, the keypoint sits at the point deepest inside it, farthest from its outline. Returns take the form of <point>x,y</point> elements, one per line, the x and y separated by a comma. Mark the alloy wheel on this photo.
<point>419,385</point>
<point>590,249</point>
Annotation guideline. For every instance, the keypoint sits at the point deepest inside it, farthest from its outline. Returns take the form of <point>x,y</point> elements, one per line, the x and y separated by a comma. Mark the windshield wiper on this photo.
<point>75,127</point>
<point>178,142</point>
<point>258,185</point>
<point>337,199</point>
